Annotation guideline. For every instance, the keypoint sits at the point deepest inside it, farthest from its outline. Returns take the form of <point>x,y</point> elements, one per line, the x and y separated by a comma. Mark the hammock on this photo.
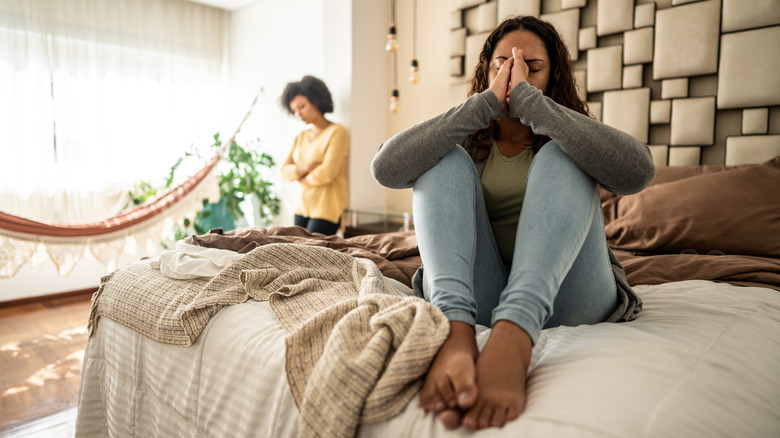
<point>23,239</point>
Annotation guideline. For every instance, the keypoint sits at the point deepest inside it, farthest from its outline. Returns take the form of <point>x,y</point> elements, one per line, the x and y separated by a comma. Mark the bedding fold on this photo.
<point>733,269</point>
<point>368,348</point>
<point>353,336</point>
<point>395,254</point>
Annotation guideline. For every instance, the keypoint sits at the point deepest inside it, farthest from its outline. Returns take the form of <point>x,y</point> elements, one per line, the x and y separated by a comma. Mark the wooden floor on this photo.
<point>41,351</point>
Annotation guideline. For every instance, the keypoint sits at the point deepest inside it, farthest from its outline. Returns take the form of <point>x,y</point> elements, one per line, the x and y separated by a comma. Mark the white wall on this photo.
<point>344,45</point>
<point>369,101</point>
<point>341,41</point>
<point>33,281</point>
<point>272,43</point>
<point>436,92</point>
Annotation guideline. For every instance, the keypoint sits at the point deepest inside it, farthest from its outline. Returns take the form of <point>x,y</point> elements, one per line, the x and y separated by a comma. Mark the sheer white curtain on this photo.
<point>98,94</point>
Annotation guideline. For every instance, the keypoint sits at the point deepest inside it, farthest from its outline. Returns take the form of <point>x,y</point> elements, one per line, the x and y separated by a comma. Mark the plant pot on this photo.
<point>215,215</point>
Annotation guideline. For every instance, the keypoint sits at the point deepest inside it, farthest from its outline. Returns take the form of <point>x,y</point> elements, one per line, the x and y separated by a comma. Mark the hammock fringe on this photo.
<point>23,240</point>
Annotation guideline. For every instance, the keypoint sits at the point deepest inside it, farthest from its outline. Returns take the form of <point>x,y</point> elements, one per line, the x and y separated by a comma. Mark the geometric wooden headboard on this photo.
<point>699,81</point>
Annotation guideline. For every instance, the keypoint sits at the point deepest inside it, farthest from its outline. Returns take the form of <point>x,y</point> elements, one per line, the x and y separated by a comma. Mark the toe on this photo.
<point>467,397</point>
<point>465,387</point>
<point>499,417</point>
<point>486,417</point>
<point>445,392</point>
<point>513,412</point>
<point>450,418</point>
<point>471,418</point>
<point>429,397</point>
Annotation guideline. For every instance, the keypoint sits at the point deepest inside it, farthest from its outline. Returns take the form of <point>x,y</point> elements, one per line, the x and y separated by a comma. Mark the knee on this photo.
<point>457,157</point>
<point>550,152</point>
<point>552,158</point>
<point>453,167</point>
<point>552,163</point>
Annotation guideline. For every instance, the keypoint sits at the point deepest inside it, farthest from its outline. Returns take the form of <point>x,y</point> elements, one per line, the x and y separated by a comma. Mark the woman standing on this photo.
<point>508,218</point>
<point>318,158</point>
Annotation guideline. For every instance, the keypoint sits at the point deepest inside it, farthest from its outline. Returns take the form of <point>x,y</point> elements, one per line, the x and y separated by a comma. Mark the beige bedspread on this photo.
<point>349,328</point>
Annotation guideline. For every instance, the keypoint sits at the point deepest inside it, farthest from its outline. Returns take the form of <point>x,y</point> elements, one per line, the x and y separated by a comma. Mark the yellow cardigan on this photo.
<point>324,191</point>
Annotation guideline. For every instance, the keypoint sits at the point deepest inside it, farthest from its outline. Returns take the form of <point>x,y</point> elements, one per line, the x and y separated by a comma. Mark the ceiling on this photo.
<point>229,5</point>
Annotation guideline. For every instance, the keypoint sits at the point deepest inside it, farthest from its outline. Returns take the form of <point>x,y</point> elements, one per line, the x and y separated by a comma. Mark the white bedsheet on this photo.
<point>702,359</point>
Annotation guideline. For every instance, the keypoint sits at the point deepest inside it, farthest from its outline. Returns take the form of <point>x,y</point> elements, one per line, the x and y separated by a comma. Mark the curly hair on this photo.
<point>561,88</point>
<point>313,89</point>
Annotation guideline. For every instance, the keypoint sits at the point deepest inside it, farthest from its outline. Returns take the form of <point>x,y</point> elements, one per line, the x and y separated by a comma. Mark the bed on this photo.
<point>277,332</point>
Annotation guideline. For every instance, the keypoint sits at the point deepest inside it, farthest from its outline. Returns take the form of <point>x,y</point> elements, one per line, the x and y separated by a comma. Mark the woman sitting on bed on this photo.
<point>508,218</point>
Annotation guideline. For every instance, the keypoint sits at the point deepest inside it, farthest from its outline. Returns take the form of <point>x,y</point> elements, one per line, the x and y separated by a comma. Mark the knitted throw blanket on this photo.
<point>357,348</point>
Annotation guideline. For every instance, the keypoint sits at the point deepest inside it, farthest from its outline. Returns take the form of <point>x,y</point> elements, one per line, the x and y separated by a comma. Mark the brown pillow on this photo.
<point>735,212</point>
<point>673,173</point>
<point>664,174</point>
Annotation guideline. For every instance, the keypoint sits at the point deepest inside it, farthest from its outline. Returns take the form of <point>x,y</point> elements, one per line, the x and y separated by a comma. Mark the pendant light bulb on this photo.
<point>392,39</point>
<point>394,105</point>
<point>414,72</point>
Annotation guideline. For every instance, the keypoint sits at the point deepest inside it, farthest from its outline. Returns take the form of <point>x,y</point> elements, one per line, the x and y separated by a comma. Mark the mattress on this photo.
<point>701,359</point>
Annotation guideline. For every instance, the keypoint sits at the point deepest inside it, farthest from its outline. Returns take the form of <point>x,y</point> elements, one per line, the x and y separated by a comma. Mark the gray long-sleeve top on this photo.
<point>616,160</point>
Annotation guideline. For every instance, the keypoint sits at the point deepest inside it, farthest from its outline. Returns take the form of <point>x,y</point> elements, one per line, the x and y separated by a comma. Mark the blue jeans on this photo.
<point>560,272</point>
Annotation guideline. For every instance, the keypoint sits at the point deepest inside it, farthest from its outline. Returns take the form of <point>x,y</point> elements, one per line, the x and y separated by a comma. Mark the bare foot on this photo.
<point>450,385</point>
<point>501,371</point>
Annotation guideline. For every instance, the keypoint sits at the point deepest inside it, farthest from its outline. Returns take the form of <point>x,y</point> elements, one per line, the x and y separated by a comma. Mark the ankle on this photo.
<point>509,329</point>
<point>462,337</point>
<point>461,329</point>
<point>508,336</point>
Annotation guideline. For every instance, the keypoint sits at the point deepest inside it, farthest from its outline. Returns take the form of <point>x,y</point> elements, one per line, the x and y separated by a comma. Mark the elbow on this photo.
<point>386,174</point>
<point>380,173</point>
<point>387,171</point>
<point>633,178</point>
<point>641,171</point>
<point>646,171</point>
<point>649,174</point>
<point>642,174</point>
<point>379,168</point>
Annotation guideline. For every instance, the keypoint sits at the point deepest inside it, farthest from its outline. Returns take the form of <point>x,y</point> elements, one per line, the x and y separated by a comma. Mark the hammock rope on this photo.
<point>121,221</point>
<point>21,238</point>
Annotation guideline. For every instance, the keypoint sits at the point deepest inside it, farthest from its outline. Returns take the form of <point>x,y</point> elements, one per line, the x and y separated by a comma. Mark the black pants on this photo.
<point>321,226</point>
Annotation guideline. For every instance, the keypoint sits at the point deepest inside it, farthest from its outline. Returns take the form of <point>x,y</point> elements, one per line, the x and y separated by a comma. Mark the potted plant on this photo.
<point>241,176</point>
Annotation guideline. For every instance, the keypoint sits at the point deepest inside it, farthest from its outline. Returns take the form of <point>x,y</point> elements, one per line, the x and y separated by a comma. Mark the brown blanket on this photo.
<point>734,269</point>
<point>395,254</point>
<point>397,257</point>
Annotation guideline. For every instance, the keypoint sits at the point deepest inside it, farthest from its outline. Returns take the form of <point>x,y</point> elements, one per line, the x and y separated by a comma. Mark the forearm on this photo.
<point>615,159</point>
<point>324,174</point>
<point>410,153</point>
<point>333,163</point>
<point>290,172</point>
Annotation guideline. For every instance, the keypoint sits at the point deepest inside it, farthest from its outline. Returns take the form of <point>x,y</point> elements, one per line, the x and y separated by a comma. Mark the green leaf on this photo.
<point>241,174</point>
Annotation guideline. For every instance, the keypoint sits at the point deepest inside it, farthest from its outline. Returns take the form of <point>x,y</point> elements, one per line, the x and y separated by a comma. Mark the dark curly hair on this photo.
<point>561,88</point>
<point>311,88</point>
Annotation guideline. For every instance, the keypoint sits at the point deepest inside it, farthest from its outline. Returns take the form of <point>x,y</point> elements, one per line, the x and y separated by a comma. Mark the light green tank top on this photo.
<point>503,187</point>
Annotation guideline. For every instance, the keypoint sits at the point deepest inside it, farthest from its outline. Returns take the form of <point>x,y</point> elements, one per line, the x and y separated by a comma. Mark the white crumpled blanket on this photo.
<point>187,261</point>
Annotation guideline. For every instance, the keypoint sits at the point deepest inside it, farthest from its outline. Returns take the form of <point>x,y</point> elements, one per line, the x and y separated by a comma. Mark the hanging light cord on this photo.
<point>395,69</point>
<point>414,30</point>
<point>395,55</point>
